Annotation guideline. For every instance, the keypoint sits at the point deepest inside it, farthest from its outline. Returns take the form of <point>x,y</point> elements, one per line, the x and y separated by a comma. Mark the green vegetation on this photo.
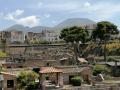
<point>113,48</point>
<point>103,32</point>
<point>2,54</point>
<point>104,28</point>
<point>98,69</point>
<point>45,42</point>
<point>76,81</point>
<point>26,80</point>
<point>74,35</point>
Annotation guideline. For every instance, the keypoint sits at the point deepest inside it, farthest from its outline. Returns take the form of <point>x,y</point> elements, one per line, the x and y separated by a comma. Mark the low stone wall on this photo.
<point>96,87</point>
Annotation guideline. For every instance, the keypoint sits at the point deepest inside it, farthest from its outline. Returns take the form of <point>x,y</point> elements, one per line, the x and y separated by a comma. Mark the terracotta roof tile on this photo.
<point>49,70</point>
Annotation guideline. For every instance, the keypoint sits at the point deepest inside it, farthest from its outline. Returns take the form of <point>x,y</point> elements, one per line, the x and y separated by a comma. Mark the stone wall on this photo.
<point>89,87</point>
<point>9,77</point>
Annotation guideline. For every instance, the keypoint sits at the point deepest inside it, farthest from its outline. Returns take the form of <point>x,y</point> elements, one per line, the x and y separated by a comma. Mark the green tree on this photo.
<point>104,28</point>
<point>74,35</point>
<point>26,80</point>
<point>103,32</point>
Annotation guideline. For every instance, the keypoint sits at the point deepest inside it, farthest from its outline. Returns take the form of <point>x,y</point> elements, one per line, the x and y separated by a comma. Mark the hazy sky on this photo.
<point>51,12</point>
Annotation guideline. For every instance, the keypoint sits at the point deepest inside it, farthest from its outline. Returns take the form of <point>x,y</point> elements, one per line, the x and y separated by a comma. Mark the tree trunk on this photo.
<point>105,58</point>
<point>76,53</point>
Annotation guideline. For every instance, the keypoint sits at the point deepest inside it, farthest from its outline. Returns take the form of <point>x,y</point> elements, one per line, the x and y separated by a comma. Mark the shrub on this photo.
<point>45,42</point>
<point>26,80</point>
<point>76,81</point>
<point>3,54</point>
<point>98,69</point>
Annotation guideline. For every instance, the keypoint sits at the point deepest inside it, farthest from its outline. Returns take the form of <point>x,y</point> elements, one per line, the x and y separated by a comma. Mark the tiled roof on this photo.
<point>9,73</point>
<point>14,72</point>
<point>49,70</point>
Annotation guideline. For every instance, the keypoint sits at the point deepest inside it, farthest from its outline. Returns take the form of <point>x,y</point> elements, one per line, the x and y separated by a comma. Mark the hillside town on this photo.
<point>47,60</point>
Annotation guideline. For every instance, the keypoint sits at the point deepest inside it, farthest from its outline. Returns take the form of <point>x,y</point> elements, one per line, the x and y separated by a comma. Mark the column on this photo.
<point>60,80</point>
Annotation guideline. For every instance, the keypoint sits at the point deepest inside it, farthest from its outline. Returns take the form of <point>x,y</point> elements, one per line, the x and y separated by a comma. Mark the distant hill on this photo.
<point>74,22</point>
<point>27,29</point>
<point>67,23</point>
<point>18,27</point>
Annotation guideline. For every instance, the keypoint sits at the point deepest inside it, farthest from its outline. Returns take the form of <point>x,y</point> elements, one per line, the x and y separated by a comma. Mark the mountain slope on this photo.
<point>27,29</point>
<point>74,22</point>
<point>67,23</point>
<point>39,28</point>
<point>17,27</point>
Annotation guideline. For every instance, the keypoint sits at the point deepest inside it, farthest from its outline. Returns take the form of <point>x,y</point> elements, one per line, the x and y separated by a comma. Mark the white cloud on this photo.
<point>87,4</point>
<point>28,21</point>
<point>9,17</point>
<point>101,10</point>
<point>13,15</point>
<point>98,11</point>
<point>18,12</point>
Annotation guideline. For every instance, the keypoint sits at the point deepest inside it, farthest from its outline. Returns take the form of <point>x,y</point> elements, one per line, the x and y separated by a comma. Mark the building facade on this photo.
<point>45,35</point>
<point>50,36</point>
<point>13,36</point>
<point>31,36</point>
<point>17,36</point>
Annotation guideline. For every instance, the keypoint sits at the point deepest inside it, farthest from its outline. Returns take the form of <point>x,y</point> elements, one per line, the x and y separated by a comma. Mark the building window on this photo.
<point>8,67</point>
<point>20,66</point>
<point>47,77</point>
<point>10,83</point>
<point>70,77</point>
<point>47,64</point>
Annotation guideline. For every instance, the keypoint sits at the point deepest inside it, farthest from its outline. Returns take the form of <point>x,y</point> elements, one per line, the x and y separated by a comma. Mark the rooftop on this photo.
<point>49,70</point>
